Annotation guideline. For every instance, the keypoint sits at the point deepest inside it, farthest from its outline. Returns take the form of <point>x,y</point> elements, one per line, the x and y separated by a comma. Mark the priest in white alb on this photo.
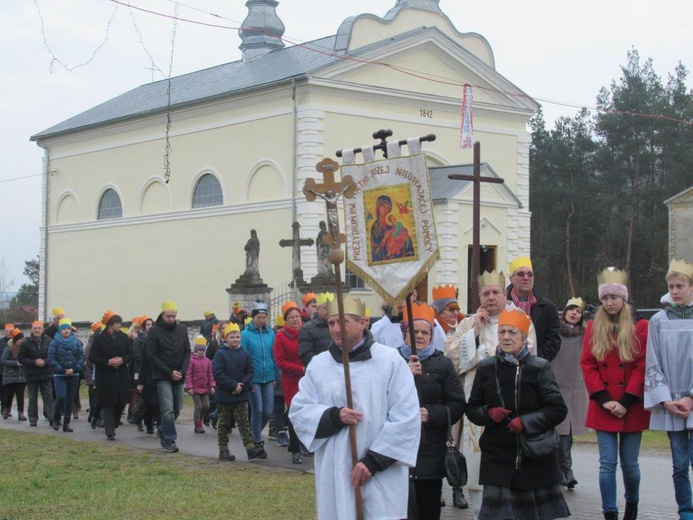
<point>385,413</point>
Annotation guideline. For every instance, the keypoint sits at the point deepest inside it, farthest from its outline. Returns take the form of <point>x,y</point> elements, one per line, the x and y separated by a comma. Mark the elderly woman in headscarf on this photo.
<point>440,393</point>
<point>515,391</point>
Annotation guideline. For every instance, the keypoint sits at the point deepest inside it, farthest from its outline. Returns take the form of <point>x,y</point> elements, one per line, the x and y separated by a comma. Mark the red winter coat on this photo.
<point>199,376</point>
<point>616,378</point>
<point>285,351</point>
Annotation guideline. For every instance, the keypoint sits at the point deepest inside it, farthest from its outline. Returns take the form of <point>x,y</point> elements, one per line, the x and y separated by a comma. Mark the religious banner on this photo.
<point>467,127</point>
<point>390,228</point>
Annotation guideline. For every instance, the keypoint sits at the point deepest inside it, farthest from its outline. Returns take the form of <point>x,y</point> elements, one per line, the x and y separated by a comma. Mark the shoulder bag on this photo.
<point>454,462</point>
<point>533,445</point>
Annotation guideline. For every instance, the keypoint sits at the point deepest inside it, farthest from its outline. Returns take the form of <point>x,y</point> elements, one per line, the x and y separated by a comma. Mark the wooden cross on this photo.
<point>330,191</point>
<point>477,179</point>
<point>295,243</point>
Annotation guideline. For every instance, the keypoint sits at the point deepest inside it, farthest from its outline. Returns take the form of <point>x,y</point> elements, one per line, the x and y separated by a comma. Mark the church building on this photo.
<point>121,231</point>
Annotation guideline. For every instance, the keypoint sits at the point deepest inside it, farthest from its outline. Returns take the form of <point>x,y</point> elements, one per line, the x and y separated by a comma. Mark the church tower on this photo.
<point>262,30</point>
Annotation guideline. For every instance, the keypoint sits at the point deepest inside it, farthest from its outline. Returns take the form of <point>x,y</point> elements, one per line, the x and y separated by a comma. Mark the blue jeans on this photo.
<point>261,408</point>
<point>65,390</point>
<point>170,401</point>
<point>682,456</point>
<point>610,449</point>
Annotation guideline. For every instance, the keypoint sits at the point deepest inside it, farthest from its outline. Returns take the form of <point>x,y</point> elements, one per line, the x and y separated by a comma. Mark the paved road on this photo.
<point>656,489</point>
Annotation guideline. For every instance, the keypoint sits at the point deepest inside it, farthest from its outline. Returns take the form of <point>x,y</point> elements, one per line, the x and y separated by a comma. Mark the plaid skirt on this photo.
<point>502,503</point>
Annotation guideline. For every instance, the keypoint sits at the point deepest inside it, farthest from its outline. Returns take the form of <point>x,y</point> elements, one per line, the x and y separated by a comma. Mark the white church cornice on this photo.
<point>215,211</point>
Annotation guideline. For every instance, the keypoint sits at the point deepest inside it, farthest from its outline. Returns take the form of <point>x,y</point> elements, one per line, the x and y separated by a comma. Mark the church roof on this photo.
<point>444,189</point>
<point>204,85</point>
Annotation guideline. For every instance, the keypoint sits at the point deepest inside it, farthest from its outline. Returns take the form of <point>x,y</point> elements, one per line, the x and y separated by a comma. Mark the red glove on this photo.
<point>516,426</point>
<point>497,414</point>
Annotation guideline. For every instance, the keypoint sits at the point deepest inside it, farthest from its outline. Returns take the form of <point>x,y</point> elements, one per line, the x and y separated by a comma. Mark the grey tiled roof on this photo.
<point>204,85</point>
<point>444,189</point>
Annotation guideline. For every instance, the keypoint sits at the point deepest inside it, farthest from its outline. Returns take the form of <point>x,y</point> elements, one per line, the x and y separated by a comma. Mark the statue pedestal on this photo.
<point>248,294</point>
<point>322,283</point>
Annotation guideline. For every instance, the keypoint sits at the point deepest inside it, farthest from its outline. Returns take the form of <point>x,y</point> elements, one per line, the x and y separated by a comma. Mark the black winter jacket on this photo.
<point>439,387</point>
<point>168,349</point>
<point>547,326</point>
<point>32,349</point>
<point>313,339</point>
<point>112,383</point>
<point>530,391</point>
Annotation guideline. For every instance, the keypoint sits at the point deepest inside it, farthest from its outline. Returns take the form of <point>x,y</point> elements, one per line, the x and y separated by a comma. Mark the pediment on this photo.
<point>428,62</point>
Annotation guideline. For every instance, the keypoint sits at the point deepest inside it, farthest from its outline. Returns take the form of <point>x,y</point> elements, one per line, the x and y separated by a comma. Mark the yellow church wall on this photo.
<point>190,260</point>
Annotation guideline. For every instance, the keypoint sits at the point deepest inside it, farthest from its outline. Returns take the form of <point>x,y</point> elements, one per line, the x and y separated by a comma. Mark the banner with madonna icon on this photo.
<point>390,227</point>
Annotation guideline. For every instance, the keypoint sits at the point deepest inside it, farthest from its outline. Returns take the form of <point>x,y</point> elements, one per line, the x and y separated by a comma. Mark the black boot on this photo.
<point>611,515</point>
<point>56,422</point>
<point>66,425</point>
<point>458,499</point>
<point>631,511</point>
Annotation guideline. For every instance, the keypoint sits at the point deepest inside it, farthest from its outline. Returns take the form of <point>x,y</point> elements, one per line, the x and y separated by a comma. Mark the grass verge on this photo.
<point>652,441</point>
<point>51,477</point>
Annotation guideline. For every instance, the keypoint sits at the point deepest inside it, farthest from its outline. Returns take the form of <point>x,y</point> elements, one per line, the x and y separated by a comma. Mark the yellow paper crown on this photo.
<point>609,275</point>
<point>247,320</point>
<point>492,278</point>
<point>58,310</point>
<point>516,318</point>
<point>444,292</point>
<point>279,321</point>
<point>522,261</point>
<point>200,340</point>
<point>230,327</point>
<point>679,266</point>
<point>578,302</point>
<point>65,321</point>
<point>351,306</point>
<point>207,314</point>
<point>324,297</point>
<point>420,311</point>
<point>236,304</point>
<point>169,306</point>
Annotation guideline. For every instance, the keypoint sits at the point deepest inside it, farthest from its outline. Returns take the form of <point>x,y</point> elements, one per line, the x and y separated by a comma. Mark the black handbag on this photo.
<point>533,445</point>
<point>454,462</point>
<point>539,445</point>
<point>139,409</point>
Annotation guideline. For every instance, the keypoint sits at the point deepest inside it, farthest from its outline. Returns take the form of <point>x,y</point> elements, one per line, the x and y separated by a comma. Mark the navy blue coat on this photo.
<point>232,366</point>
<point>65,353</point>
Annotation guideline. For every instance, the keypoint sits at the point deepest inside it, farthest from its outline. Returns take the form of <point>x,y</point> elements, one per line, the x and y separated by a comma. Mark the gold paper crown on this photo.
<point>578,302</point>
<point>492,278</point>
<point>522,261</point>
<point>288,306</point>
<point>230,327</point>
<point>420,311</point>
<point>444,292</point>
<point>679,266</point>
<point>65,321</point>
<point>200,340</point>
<point>516,318</point>
<point>58,310</point>
<point>279,321</point>
<point>207,313</point>
<point>324,297</point>
<point>610,275</point>
<point>169,306</point>
<point>351,306</point>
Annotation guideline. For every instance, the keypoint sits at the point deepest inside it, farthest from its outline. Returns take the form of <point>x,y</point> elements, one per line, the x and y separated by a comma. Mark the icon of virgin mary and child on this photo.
<point>390,239</point>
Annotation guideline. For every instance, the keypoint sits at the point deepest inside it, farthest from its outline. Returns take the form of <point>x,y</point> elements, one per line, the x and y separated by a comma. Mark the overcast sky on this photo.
<point>558,51</point>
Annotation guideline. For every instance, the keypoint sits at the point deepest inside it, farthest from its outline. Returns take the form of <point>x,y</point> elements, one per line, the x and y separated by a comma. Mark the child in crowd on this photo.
<point>233,372</point>
<point>199,381</point>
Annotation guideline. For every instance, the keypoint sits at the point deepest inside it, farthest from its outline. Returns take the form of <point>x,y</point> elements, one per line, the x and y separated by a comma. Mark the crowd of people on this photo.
<point>512,372</point>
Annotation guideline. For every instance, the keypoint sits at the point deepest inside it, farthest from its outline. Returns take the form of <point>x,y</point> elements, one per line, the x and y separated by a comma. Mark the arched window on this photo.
<point>109,205</point>
<point>207,192</point>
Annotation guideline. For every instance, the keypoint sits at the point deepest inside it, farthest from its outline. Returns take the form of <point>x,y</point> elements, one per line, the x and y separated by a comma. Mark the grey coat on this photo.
<point>566,368</point>
<point>12,371</point>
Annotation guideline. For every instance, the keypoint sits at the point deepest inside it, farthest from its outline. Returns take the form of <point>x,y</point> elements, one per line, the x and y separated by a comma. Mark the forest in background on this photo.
<point>598,183</point>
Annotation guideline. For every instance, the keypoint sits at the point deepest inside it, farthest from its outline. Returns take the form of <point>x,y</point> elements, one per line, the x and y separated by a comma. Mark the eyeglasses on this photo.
<point>522,274</point>
<point>452,309</point>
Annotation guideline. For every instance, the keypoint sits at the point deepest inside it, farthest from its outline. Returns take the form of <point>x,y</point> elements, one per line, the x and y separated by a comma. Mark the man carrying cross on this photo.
<point>386,415</point>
